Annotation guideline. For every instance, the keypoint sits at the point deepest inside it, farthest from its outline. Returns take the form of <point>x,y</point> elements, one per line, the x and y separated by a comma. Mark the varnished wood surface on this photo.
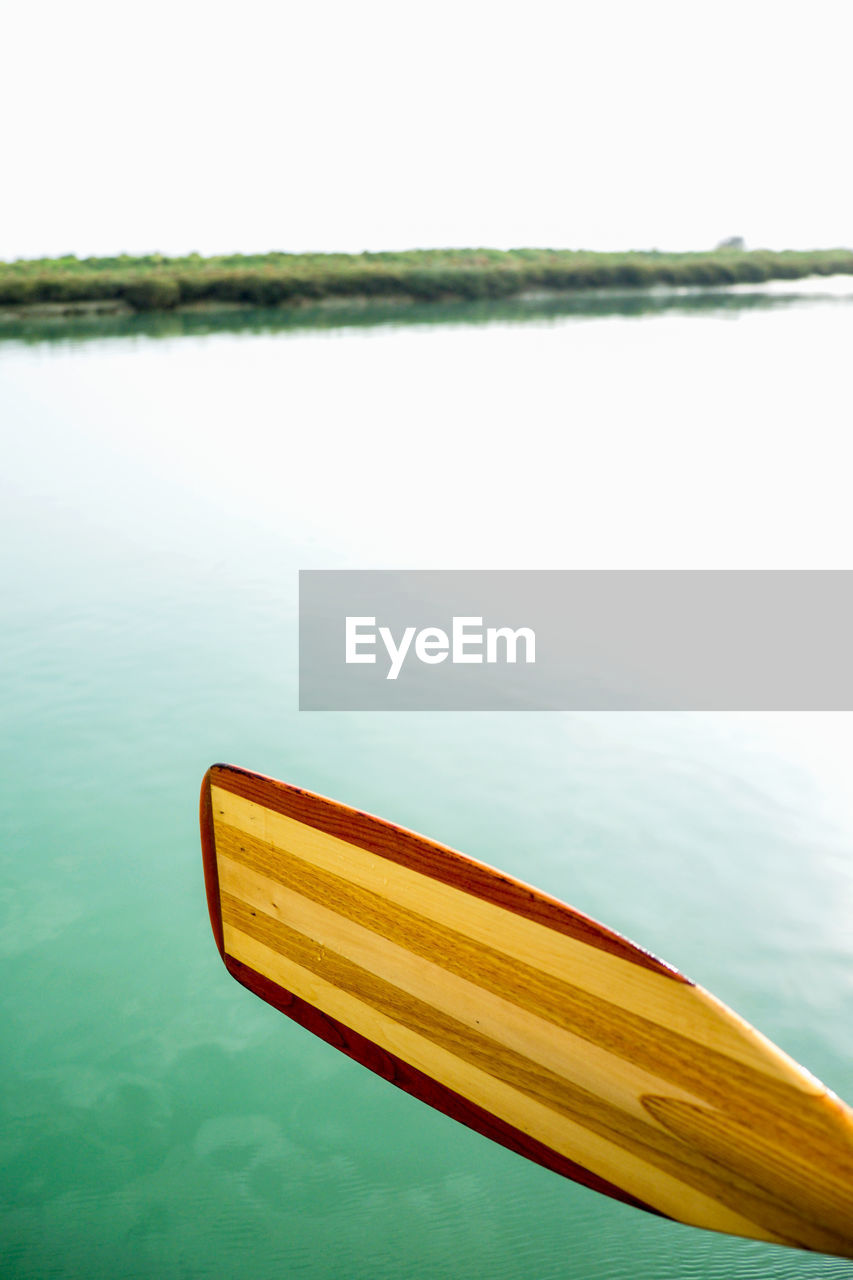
<point>521,1017</point>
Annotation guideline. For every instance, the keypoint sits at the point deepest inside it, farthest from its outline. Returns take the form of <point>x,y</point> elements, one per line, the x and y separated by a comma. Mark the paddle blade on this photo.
<point>521,1017</point>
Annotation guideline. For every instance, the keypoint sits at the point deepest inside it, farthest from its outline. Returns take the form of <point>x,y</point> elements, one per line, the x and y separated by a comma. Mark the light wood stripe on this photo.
<point>624,985</point>
<point>791,1174</point>
<point>495,1017</point>
<point>649,1083</point>
<point>628,1046</point>
<point>652,1150</point>
<point>517,1108</point>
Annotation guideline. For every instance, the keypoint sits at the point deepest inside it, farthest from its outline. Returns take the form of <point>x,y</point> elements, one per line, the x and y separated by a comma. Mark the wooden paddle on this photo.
<point>520,1017</point>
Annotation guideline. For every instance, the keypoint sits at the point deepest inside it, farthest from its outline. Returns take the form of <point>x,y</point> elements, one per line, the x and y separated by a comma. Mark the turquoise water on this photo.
<point>163,482</point>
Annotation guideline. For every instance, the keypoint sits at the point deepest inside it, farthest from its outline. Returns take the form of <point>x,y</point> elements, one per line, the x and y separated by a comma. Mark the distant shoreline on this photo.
<point>125,285</point>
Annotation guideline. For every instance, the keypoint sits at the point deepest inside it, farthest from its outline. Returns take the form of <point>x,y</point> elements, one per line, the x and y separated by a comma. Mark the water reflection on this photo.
<point>159,497</point>
<point>586,304</point>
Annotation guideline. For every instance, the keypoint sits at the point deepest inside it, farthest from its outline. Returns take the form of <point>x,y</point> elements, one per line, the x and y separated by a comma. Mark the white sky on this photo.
<point>371,125</point>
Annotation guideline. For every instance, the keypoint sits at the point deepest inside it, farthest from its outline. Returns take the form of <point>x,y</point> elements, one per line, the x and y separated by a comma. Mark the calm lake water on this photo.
<point>163,481</point>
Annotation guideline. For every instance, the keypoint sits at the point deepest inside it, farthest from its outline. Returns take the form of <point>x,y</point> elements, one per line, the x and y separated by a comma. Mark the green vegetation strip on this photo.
<point>155,283</point>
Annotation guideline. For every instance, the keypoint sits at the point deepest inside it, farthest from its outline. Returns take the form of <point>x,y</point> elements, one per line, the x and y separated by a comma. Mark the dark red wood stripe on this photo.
<point>211,870</point>
<point>421,1086</point>
<point>718,1178</point>
<point>662,1052</point>
<point>408,849</point>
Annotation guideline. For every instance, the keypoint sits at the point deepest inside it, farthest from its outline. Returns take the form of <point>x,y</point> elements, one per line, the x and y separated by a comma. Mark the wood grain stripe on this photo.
<point>405,1028</point>
<point>425,1088</point>
<point>421,972</point>
<point>653,1051</point>
<point>649,1150</point>
<point>792,1173</point>
<point>436,861</point>
<point>604,976</point>
<point>521,1017</point>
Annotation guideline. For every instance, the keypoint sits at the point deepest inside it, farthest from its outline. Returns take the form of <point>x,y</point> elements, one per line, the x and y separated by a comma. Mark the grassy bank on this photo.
<point>155,283</point>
